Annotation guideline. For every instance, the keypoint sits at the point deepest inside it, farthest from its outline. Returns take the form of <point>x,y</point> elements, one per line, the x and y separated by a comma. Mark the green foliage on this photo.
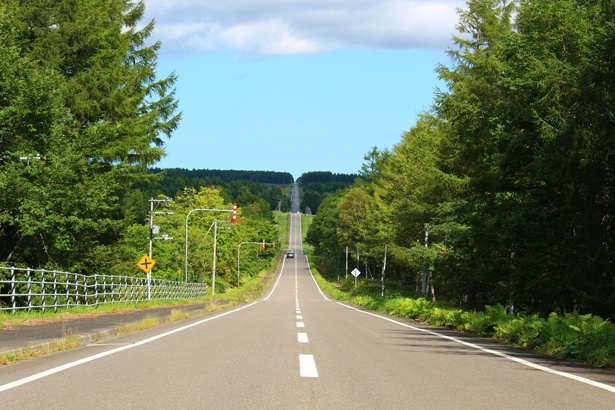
<point>501,194</point>
<point>81,117</point>
<point>595,347</point>
<point>317,186</point>
<point>410,308</point>
<point>243,187</point>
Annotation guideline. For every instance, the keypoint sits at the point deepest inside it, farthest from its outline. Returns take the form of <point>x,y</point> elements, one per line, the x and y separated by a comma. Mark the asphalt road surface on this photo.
<point>297,348</point>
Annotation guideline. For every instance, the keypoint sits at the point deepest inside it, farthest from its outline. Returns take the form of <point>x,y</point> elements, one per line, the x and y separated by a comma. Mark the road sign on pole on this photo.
<point>146,263</point>
<point>355,272</point>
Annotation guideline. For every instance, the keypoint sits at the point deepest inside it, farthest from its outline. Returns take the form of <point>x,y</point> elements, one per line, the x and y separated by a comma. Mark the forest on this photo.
<point>84,117</point>
<point>500,193</point>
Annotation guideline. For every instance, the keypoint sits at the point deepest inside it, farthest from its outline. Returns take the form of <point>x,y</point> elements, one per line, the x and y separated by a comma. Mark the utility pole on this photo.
<point>213,274</point>
<point>384,267</point>
<point>346,261</point>
<point>187,216</point>
<point>152,211</point>
<point>424,283</point>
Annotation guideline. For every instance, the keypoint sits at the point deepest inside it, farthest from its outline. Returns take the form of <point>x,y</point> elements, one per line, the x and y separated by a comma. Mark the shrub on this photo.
<point>413,308</point>
<point>595,347</point>
<point>519,329</point>
<point>439,316</point>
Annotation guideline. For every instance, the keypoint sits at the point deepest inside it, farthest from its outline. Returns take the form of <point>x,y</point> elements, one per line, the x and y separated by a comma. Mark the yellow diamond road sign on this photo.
<point>146,263</point>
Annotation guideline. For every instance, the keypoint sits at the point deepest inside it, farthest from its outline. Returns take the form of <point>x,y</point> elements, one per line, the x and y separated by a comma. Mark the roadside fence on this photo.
<point>30,289</point>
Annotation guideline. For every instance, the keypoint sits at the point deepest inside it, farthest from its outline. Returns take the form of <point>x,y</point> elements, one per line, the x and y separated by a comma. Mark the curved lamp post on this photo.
<point>239,255</point>
<point>198,209</point>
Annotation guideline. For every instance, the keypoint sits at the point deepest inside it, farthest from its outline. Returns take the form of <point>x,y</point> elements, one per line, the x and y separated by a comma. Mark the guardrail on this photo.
<point>29,289</point>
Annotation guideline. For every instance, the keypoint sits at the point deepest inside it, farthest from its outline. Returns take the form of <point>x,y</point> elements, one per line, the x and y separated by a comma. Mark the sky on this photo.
<point>297,85</point>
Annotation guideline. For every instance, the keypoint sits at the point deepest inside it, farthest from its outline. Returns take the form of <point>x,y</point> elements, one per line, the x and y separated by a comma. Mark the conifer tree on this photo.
<point>81,98</point>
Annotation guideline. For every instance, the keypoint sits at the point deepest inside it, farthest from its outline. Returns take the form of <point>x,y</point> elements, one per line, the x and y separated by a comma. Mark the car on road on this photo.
<point>290,253</point>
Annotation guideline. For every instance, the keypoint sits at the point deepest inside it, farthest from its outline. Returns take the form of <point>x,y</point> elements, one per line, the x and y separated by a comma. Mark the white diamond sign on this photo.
<point>355,272</point>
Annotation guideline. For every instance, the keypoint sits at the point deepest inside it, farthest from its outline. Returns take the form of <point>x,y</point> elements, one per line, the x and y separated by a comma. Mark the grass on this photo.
<point>178,314</point>
<point>146,323</point>
<point>68,341</point>
<point>282,221</point>
<point>9,319</point>
<point>306,221</point>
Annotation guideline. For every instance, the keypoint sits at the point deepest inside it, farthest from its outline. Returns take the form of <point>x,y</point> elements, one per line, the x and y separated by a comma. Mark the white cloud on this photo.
<point>268,37</point>
<point>278,27</point>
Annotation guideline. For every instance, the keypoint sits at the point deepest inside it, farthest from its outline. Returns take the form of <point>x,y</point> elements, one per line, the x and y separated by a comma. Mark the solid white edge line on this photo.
<point>66,366</point>
<point>524,362</point>
<point>314,279</point>
<point>275,285</point>
<point>307,366</point>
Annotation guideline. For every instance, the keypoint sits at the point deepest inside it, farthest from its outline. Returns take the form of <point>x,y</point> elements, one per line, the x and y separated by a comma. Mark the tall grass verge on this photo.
<point>146,323</point>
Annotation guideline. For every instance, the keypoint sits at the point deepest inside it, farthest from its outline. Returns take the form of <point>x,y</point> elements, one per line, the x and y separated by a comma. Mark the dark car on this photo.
<point>290,253</point>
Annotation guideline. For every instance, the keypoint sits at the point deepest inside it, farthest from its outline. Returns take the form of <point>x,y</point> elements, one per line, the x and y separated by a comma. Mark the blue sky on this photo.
<point>297,85</point>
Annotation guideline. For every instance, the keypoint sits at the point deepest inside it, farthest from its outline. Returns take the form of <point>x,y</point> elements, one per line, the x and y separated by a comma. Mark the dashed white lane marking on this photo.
<point>307,366</point>
<point>299,317</point>
<point>302,337</point>
<point>300,324</point>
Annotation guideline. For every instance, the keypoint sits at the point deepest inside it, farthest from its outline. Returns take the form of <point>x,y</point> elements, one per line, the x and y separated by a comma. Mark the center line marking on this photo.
<point>302,337</point>
<point>300,324</point>
<point>307,366</point>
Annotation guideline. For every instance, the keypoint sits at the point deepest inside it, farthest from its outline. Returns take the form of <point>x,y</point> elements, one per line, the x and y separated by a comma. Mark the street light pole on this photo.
<point>239,255</point>
<point>213,273</point>
<point>152,211</point>
<point>187,216</point>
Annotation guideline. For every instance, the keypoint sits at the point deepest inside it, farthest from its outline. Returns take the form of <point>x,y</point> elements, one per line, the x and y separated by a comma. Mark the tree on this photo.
<point>97,114</point>
<point>413,196</point>
<point>322,233</point>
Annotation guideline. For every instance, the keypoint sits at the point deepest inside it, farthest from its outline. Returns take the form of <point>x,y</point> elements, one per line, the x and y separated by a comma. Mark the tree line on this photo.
<point>501,192</point>
<point>264,177</point>
<point>317,185</point>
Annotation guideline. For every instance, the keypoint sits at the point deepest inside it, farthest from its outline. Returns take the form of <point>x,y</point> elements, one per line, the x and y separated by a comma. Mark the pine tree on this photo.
<point>96,118</point>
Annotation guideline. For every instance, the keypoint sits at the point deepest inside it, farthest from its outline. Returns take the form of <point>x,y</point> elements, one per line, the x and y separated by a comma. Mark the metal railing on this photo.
<point>29,289</point>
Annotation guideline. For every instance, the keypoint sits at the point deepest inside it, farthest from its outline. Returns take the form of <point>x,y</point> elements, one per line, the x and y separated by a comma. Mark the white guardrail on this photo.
<point>29,289</point>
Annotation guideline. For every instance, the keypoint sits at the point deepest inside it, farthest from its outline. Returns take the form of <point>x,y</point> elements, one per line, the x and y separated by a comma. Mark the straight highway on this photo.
<point>297,348</point>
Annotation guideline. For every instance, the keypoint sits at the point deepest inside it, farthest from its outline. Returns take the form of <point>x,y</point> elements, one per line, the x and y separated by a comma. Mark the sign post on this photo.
<point>355,272</point>
<point>146,263</point>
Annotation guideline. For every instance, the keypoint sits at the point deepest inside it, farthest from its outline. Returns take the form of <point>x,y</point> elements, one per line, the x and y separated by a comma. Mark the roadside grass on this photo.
<point>585,338</point>
<point>8,319</point>
<point>306,221</point>
<point>146,323</point>
<point>178,314</point>
<point>68,341</point>
<point>281,219</point>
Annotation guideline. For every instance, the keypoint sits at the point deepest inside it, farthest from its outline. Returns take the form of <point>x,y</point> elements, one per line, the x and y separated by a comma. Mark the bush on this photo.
<point>438,316</point>
<point>412,308</point>
<point>519,329</point>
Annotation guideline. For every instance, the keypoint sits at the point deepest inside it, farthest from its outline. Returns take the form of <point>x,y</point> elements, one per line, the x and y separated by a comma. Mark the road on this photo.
<point>296,348</point>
